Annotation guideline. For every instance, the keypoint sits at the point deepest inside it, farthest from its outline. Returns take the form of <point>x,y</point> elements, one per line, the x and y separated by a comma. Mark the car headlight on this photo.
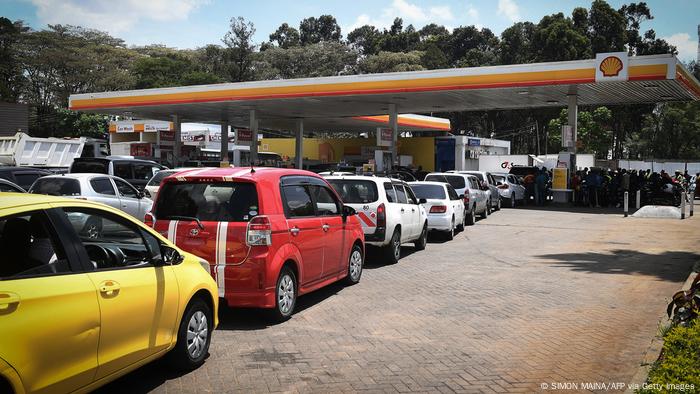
<point>205,265</point>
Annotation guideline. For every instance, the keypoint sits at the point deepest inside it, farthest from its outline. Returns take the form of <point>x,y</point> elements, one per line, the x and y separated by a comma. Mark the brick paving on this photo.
<point>525,297</point>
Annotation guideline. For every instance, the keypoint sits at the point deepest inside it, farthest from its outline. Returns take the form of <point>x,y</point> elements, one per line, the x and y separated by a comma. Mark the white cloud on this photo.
<point>113,16</point>
<point>687,46</point>
<point>472,13</point>
<point>509,9</point>
<point>410,13</point>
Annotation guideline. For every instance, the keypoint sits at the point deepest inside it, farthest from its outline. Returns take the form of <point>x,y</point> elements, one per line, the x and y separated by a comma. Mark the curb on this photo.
<point>657,343</point>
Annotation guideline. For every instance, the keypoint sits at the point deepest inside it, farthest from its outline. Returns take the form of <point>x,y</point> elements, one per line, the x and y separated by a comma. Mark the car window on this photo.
<point>102,186</point>
<point>457,181</point>
<point>125,189</point>
<point>326,204</point>
<point>479,175</point>
<point>56,187</point>
<point>159,176</point>
<point>26,179</point>
<point>30,247</point>
<point>499,178</point>
<point>411,196</point>
<point>122,170</point>
<point>390,192</point>
<point>400,194</point>
<point>90,166</point>
<point>297,201</point>
<point>436,178</point>
<point>474,183</point>
<point>8,188</point>
<point>144,171</point>
<point>215,201</point>
<point>355,191</point>
<point>452,193</point>
<point>436,192</point>
<point>110,241</point>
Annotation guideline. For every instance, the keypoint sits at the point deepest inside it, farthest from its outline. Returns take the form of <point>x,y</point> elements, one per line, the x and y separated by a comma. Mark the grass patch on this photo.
<point>680,364</point>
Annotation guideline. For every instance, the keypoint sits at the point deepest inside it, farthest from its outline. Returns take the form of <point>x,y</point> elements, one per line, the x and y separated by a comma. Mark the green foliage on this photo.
<point>556,38</point>
<point>314,30</point>
<point>593,131</point>
<point>11,77</point>
<point>322,59</point>
<point>680,361</point>
<point>285,36</point>
<point>391,62</point>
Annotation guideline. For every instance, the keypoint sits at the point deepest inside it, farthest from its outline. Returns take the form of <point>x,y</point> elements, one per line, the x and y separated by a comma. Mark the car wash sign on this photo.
<point>611,67</point>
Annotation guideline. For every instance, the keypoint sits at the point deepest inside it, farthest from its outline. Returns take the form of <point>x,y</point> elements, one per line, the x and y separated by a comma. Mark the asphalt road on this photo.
<point>522,299</point>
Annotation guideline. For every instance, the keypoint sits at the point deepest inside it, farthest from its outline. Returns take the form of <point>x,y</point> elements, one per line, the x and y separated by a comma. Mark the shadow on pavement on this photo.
<point>375,256</point>
<point>668,266</point>
<point>553,207</point>
<point>142,380</point>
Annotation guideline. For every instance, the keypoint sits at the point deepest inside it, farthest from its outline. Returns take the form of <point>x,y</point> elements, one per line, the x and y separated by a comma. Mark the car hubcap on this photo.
<point>285,295</point>
<point>197,333</point>
<point>355,264</point>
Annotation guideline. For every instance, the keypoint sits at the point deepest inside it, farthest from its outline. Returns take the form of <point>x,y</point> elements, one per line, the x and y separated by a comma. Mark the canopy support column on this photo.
<point>177,140</point>
<point>254,137</point>
<point>299,147</point>
<point>572,101</point>
<point>224,144</point>
<point>394,125</point>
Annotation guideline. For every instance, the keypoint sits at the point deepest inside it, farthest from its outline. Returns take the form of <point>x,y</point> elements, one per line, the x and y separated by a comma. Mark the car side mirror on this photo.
<point>170,256</point>
<point>348,211</point>
<point>422,201</point>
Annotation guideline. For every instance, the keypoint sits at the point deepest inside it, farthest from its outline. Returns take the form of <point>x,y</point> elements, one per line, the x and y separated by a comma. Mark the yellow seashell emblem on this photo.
<point>611,66</point>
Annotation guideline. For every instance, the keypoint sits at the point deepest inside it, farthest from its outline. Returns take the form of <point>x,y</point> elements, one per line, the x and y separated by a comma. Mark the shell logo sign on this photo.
<point>611,67</point>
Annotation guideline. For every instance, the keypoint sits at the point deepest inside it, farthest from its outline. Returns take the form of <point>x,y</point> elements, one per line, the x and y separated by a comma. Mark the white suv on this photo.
<point>388,209</point>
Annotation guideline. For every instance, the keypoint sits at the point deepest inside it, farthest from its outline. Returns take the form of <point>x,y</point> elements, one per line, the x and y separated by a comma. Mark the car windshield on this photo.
<point>499,178</point>
<point>159,176</point>
<point>90,167</point>
<point>457,181</point>
<point>355,191</point>
<point>435,192</point>
<point>216,202</point>
<point>478,175</point>
<point>56,187</point>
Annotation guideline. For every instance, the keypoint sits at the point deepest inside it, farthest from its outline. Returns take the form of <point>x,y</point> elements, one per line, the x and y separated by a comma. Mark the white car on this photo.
<point>106,189</point>
<point>445,208</point>
<point>151,188</point>
<point>509,188</point>
<point>389,211</point>
<point>474,197</point>
<point>488,184</point>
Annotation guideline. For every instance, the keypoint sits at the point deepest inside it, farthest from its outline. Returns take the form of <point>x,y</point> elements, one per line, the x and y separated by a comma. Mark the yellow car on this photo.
<point>88,293</point>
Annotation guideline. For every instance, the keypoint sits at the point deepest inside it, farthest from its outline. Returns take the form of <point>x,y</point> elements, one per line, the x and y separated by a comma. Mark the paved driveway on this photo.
<point>525,297</point>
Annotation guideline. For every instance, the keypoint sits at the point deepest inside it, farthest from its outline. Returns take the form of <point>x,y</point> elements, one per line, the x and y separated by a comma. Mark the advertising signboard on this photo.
<point>384,137</point>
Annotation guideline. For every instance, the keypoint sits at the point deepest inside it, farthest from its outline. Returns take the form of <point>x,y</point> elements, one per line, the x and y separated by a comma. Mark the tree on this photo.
<point>593,131</point>
<point>313,30</point>
<point>239,49</point>
<point>607,28</point>
<point>470,46</point>
<point>326,58</point>
<point>556,38</point>
<point>366,39</point>
<point>397,39</point>
<point>285,36</point>
<point>515,46</point>
<point>11,77</point>
<point>391,62</point>
<point>433,58</point>
<point>432,31</point>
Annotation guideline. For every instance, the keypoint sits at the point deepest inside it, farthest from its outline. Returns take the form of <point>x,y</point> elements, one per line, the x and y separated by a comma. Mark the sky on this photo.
<point>195,23</point>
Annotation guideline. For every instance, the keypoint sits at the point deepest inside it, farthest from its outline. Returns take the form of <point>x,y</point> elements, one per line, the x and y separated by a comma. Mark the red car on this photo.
<point>268,234</point>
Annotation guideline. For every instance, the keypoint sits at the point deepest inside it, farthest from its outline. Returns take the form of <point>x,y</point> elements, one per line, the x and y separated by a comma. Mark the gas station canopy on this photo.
<point>609,79</point>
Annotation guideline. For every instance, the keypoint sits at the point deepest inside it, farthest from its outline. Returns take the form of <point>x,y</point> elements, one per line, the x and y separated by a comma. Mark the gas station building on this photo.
<point>362,103</point>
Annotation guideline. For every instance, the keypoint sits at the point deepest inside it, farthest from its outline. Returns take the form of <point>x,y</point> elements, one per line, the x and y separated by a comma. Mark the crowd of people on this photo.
<point>606,188</point>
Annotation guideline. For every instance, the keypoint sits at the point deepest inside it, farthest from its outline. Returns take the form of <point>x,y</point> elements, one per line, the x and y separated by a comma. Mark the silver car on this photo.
<point>510,188</point>
<point>488,184</point>
<point>107,189</point>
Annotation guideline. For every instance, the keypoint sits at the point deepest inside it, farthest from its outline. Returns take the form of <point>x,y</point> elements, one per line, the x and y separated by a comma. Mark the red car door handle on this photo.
<point>294,230</point>
<point>326,227</point>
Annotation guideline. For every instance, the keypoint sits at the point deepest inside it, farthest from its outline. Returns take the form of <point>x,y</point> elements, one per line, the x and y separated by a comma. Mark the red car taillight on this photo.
<point>150,220</point>
<point>438,209</point>
<point>466,199</point>
<point>259,231</point>
<point>381,216</point>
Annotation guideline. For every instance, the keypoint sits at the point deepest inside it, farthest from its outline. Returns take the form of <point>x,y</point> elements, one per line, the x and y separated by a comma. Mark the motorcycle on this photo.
<point>662,194</point>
